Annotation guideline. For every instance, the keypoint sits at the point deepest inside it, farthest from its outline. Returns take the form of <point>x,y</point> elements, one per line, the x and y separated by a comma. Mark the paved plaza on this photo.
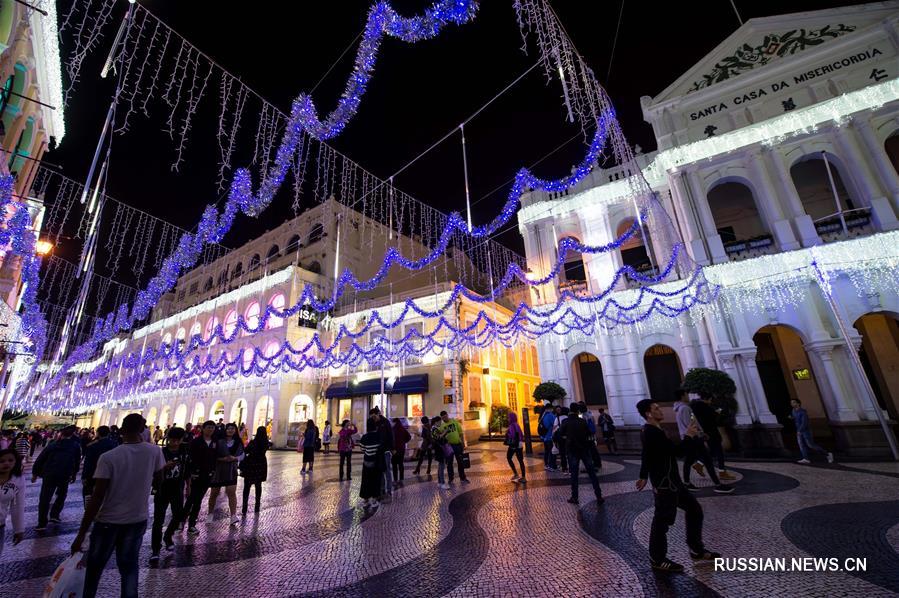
<point>491,537</point>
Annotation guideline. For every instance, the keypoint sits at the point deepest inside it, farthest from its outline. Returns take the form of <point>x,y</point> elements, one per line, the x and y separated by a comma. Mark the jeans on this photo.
<point>716,450</point>
<point>594,453</point>
<point>457,453</point>
<point>164,498</point>
<point>399,468</point>
<point>806,442</point>
<point>346,457</point>
<point>667,502</point>
<point>563,455</point>
<point>549,459</point>
<point>421,457</point>
<point>198,488</point>
<point>609,439</point>
<point>246,495</point>
<point>387,476</point>
<point>125,539</point>
<point>441,465</point>
<point>575,467</point>
<point>49,486</point>
<point>694,450</point>
<point>517,452</point>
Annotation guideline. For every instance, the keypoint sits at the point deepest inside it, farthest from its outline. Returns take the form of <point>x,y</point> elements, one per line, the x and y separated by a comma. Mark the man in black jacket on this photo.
<point>576,434</point>
<point>102,444</point>
<point>58,466</point>
<point>202,466</point>
<point>659,465</point>
<point>707,416</point>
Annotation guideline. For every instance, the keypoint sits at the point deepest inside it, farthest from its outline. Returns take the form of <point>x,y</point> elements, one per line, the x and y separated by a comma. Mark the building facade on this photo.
<point>272,270</point>
<point>781,145</point>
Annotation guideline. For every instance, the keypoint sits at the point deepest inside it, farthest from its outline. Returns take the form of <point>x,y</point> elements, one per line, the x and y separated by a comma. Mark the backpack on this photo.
<point>591,426</point>
<point>541,429</point>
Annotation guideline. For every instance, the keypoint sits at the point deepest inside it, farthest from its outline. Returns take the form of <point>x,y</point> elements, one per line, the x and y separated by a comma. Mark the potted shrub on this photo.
<point>499,419</point>
<point>720,388</point>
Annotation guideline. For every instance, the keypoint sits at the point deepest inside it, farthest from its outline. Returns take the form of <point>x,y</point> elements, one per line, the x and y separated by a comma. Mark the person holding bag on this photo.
<point>229,452</point>
<point>310,443</point>
<point>514,438</point>
<point>12,496</point>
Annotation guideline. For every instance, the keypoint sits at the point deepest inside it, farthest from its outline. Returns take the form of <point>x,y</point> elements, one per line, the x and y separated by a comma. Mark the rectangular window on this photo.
<point>510,359</point>
<point>194,287</point>
<point>345,410</point>
<point>416,406</point>
<point>512,394</point>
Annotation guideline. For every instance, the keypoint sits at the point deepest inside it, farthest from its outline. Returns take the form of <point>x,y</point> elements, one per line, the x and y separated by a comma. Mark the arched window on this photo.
<point>22,149</point>
<point>238,270</point>
<point>254,262</point>
<point>16,84</point>
<point>223,278</point>
<point>166,342</point>
<point>230,323</point>
<point>273,253</point>
<point>293,245</point>
<point>315,234</point>
<point>247,358</point>
<point>7,20</point>
<point>278,301</point>
<point>271,349</point>
<point>633,251</point>
<point>663,372</point>
<point>251,315</point>
<point>891,145</point>
<point>195,331</point>
<point>211,325</point>
<point>815,177</point>
<point>736,215</point>
<point>180,336</point>
<point>207,286</point>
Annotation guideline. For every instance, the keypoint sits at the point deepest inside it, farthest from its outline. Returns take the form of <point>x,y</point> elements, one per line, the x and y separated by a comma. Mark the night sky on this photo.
<point>419,92</point>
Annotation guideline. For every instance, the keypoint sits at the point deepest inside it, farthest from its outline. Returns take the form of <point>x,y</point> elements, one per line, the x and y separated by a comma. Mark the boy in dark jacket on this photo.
<point>58,466</point>
<point>169,492</point>
<point>203,458</point>
<point>92,453</point>
<point>659,466</point>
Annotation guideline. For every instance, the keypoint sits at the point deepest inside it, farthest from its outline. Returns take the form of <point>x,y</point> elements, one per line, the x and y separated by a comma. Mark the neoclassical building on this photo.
<point>780,146</point>
<point>272,270</point>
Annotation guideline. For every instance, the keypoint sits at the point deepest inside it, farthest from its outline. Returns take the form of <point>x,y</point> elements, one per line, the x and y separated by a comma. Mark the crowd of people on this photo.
<point>187,468</point>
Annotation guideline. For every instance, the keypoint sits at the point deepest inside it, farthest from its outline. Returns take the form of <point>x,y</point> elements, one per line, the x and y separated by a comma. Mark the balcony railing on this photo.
<point>749,248</point>
<point>577,287</point>
<point>646,269</point>
<point>846,224</point>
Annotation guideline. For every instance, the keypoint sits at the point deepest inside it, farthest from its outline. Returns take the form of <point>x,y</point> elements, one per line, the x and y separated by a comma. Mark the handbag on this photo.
<point>466,461</point>
<point>68,579</point>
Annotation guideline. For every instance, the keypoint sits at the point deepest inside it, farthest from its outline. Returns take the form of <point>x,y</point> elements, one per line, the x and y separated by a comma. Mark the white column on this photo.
<point>633,374</point>
<point>757,391</point>
<point>744,412</point>
<point>771,209</point>
<point>839,408</point>
<point>878,156</point>
<point>701,202</point>
<point>805,228</point>
<point>864,178</point>
<point>684,213</point>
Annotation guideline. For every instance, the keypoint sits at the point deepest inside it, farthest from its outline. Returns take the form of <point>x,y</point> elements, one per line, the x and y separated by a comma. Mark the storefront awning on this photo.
<point>414,383</point>
<point>337,391</point>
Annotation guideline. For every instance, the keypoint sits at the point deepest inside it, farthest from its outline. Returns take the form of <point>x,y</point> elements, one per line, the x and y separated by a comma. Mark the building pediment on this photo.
<point>764,41</point>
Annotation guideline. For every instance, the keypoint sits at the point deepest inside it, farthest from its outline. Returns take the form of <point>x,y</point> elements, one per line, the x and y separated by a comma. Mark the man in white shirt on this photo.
<point>118,507</point>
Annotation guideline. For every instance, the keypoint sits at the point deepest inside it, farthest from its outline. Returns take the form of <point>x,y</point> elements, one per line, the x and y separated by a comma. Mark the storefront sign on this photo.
<point>308,318</point>
<point>749,95</point>
<point>802,374</point>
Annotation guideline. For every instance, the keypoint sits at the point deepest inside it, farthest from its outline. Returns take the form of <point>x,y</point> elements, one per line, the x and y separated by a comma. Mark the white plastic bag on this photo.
<point>68,579</point>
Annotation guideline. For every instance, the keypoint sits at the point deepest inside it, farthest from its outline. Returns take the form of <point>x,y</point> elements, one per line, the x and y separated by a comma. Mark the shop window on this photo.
<point>416,406</point>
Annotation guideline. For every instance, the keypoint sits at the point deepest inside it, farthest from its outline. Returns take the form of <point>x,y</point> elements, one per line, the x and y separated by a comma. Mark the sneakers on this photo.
<point>830,457</point>
<point>41,528</point>
<point>698,468</point>
<point>726,475</point>
<point>723,489</point>
<point>803,462</point>
<point>235,521</point>
<point>154,558</point>
<point>192,530</point>
<point>522,481</point>
<point>691,487</point>
<point>169,544</point>
<point>668,566</point>
<point>573,501</point>
<point>55,520</point>
<point>374,504</point>
<point>443,486</point>
<point>705,555</point>
<point>514,478</point>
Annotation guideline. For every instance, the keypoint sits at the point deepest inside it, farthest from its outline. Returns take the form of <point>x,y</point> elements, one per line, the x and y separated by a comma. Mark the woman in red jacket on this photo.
<point>400,438</point>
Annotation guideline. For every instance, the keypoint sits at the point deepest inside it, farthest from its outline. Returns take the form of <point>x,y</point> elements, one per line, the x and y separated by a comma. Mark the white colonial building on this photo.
<point>780,146</point>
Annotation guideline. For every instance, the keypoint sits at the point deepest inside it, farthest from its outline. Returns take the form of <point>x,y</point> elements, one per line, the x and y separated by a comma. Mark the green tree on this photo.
<point>499,418</point>
<point>716,385</point>
<point>549,391</point>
